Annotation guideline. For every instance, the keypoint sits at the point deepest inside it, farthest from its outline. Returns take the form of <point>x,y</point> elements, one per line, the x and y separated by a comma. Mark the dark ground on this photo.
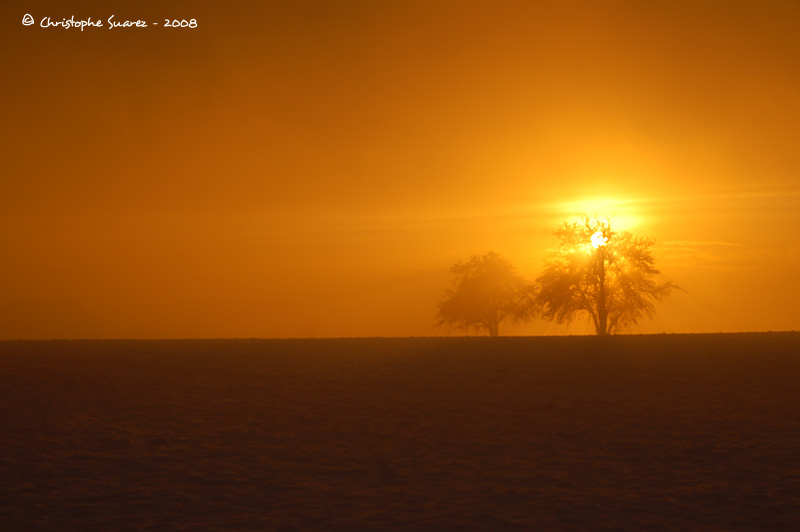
<point>668,432</point>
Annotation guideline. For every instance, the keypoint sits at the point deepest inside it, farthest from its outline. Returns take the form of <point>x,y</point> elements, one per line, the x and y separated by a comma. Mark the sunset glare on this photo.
<point>598,239</point>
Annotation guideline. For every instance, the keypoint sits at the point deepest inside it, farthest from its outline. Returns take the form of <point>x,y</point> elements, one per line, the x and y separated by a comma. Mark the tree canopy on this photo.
<point>602,274</point>
<point>487,290</point>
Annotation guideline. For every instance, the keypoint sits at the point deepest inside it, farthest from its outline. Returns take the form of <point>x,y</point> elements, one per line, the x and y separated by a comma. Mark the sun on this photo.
<point>598,239</point>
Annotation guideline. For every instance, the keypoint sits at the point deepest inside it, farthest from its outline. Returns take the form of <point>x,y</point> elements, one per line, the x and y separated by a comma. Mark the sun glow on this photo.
<point>623,211</point>
<point>598,239</point>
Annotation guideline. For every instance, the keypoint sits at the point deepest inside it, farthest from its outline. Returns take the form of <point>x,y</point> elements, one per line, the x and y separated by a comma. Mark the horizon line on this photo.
<point>312,338</point>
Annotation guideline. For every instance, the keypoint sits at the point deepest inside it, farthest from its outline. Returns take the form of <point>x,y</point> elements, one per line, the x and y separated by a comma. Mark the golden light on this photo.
<point>625,212</point>
<point>598,239</point>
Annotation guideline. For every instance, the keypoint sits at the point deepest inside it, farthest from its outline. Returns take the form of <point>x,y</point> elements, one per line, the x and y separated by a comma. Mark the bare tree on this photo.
<point>604,274</point>
<point>488,289</point>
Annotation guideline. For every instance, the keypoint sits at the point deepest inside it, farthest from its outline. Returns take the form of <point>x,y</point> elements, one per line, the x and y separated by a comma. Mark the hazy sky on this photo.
<point>297,168</point>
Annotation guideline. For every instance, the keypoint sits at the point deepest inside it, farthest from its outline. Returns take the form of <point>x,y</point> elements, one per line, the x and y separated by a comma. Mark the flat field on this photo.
<point>665,432</point>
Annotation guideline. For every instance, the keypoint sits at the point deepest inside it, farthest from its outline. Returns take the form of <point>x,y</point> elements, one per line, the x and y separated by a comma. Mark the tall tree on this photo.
<point>487,290</point>
<point>604,274</point>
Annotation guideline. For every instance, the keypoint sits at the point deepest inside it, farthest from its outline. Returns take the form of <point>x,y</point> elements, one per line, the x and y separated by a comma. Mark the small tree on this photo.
<point>604,274</point>
<point>488,289</point>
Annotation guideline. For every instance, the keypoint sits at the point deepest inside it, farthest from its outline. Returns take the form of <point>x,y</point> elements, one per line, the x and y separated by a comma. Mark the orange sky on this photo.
<point>314,168</point>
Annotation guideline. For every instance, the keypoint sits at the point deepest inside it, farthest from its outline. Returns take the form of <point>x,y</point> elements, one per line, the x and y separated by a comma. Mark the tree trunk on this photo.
<point>494,328</point>
<point>602,310</point>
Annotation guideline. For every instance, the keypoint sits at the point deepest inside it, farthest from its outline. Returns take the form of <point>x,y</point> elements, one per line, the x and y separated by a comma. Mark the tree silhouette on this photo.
<point>488,289</point>
<point>602,273</point>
